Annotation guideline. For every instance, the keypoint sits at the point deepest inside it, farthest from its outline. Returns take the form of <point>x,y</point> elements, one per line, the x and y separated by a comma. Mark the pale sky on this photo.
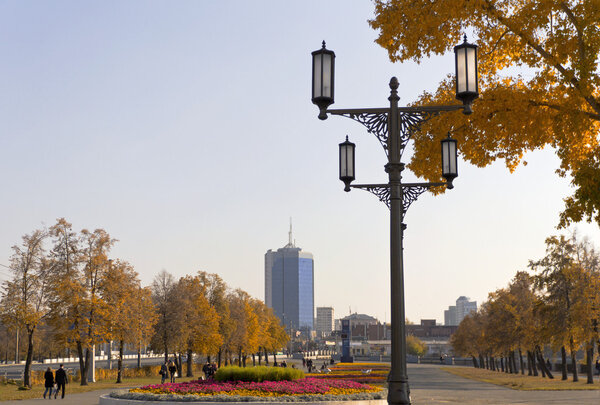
<point>185,129</point>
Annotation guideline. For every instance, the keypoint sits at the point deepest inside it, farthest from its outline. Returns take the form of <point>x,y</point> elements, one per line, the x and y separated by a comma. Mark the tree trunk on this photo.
<point>259,357</point>
<point>190,372</point>
<point>266,357</point>
<point>81,362</point>
<point>179,365</point>
<point>253,360</point>
<point>574,363</point>
<point>244,360</point>
<point>274,357</point>
<point>481,361</point>
<point>563,354</point>
<point>474,362</point>
<point>513,362</point>
<point>502,364</point>
<point>28,359</point>
<point>219,357</point>
<point>120,362</point>
<point>240,356</point>
<point>521,362</point>
<point>589,361</point>
<point>531,358</point>
<point>543,364</point>
<point>139,353</point>
<point>166,351</point>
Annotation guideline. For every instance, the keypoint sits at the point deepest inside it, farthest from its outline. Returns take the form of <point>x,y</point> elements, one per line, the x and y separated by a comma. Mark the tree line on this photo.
<point>553,307</point>
<point>65,292</point>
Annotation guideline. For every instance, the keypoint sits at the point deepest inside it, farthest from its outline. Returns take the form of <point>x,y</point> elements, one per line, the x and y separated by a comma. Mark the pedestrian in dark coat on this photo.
<point>172,370</point>
<point>49,383</point>
<point>164,372</point>
<point>61,381</point>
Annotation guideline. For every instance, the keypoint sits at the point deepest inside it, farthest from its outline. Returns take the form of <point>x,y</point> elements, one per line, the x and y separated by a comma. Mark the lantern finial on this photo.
<point>324,42</point>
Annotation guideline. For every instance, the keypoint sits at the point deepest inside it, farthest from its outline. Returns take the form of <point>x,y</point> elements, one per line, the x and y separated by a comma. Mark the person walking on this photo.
<point>164,372</point>
<point>48,383</point>
<point>206,369</point>
<point>172,370</point>
<point>61,381</point>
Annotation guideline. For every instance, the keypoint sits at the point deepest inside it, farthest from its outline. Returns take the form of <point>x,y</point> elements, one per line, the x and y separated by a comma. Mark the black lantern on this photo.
<point>466,74</point>
<point>347,174</point>
<point>449,160</point>
<point>322,79</point>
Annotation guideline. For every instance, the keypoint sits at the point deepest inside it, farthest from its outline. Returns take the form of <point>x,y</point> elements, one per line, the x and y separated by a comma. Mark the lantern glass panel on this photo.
<point>343,162</point>
<point>471,70</point>
<point>461,67</point>
<point>317,75</point>
<point>327,75</point>
<point>346,161</point>
<point>449,158</point>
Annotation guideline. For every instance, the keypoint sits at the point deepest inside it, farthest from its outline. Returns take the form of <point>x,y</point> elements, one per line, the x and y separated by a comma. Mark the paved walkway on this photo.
<point>429,384</point>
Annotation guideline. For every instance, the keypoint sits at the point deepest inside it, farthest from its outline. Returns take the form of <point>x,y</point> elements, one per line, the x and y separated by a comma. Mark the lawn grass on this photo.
<point>523,382</point>
<point>11,392</point>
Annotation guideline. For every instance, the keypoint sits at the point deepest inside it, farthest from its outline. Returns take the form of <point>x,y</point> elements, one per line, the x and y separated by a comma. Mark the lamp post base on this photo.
<point>398,393</point>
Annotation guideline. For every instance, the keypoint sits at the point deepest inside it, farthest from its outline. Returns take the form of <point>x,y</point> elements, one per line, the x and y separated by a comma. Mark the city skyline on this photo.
<point>188,134</point>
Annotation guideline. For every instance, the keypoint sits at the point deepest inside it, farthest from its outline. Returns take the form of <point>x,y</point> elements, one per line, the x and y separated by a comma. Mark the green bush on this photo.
<point>258,374</point>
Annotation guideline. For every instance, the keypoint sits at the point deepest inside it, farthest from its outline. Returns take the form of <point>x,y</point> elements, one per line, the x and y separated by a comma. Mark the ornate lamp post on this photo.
<point>393,127</point>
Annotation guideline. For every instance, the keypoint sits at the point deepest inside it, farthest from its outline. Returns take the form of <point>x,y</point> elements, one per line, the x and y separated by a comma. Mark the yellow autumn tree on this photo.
<point>244,339</point>
<point>24,298</point>
<point>120,287</point>
<point>197,329</point>
<point>538,78</point>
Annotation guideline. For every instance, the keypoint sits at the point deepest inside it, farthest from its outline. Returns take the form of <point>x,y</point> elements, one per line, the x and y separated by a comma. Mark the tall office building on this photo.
<point>289,285</point>
<point>325,320</point>
<point>454,315</point>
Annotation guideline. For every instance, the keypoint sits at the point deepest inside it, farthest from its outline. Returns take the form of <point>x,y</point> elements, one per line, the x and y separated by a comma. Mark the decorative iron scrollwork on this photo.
<point>382,191</point>
<point>410,194</point>
<point>376,124</point>
<point>410,122</point>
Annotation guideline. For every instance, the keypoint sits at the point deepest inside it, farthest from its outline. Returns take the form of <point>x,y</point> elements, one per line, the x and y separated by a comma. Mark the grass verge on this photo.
<point>523,382</point>
<point>10,392</point>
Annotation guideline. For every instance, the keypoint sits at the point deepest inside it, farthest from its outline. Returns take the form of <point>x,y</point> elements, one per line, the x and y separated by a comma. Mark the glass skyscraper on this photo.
<point>289,286</point>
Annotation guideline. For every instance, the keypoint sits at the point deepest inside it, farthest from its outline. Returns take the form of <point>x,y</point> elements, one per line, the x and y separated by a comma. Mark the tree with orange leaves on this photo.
<point>538,79</point>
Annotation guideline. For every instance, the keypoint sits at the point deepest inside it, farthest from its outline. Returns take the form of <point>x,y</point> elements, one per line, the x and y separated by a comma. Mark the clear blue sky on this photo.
<point>185,129</point>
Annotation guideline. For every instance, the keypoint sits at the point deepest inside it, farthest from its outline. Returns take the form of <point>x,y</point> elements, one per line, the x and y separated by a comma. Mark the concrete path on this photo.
<point>429,384</point>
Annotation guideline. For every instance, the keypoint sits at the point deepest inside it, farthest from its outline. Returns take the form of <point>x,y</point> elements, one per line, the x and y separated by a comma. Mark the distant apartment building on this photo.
<point>454,315</point>
<point>429,329</point>
<point>366,327</point>
<point>289,286</point>
<point>325,321</point>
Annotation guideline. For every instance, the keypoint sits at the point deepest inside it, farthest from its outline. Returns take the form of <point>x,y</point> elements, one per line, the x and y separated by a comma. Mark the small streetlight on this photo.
<point>347,174</point>
<point>322,79</point>
<point>449,160</point>
<point>466,74</point>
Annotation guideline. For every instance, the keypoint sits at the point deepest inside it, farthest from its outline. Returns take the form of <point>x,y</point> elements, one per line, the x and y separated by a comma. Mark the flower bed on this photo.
<point>307,389</point>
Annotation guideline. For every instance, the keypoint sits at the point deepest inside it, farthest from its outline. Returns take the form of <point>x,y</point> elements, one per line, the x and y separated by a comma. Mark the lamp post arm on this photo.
<point>409,119</point>
<point>411,191</point>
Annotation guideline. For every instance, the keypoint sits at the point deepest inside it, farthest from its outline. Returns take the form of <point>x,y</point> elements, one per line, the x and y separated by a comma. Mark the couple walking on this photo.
<point>55,382</point>
<point>168,368</point>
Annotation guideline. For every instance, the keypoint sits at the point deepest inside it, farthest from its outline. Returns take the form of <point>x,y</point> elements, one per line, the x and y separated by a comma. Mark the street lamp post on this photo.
<point>393,127</point>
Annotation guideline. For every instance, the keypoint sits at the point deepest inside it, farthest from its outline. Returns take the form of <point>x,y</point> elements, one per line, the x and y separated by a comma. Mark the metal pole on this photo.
<point>17,348</point>
<point>398,390</point>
